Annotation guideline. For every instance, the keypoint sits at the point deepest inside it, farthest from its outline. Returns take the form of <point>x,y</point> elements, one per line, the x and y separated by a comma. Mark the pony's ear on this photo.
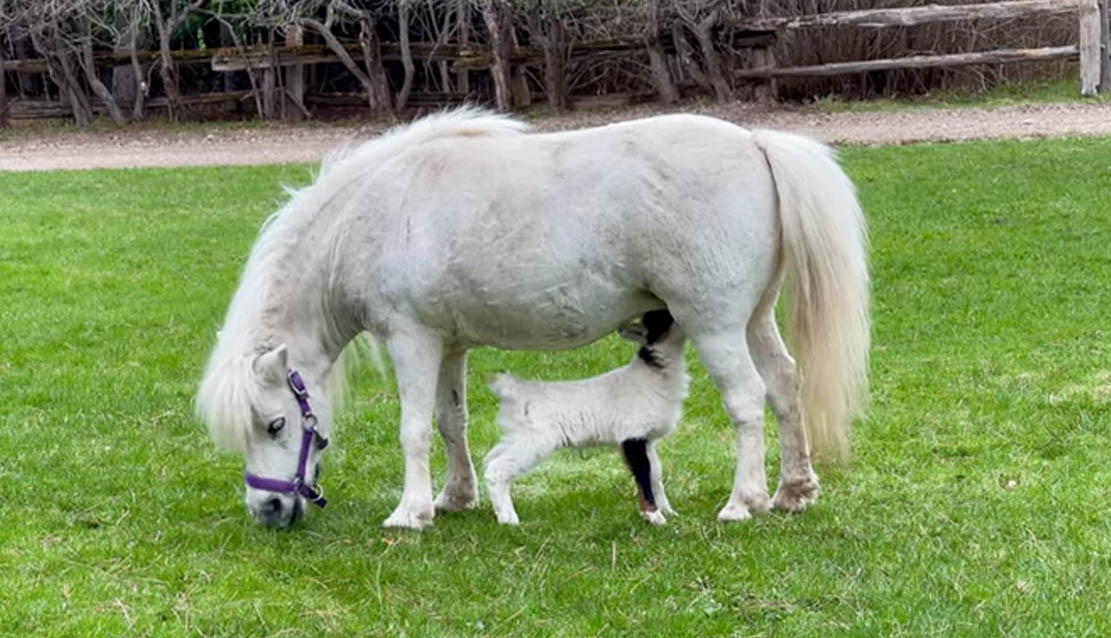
<point>634,332</point>
<point>271,366</point>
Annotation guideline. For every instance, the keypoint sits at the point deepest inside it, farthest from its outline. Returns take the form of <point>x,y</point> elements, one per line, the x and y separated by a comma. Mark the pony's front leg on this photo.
<point>461,488</point>
<point>416,358</point>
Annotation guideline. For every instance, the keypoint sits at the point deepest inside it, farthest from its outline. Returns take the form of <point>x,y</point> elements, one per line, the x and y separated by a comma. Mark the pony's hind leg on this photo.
<point>460,489</point>
<point>726,357</point>
<point>798,485</point>
<point>416,356</point>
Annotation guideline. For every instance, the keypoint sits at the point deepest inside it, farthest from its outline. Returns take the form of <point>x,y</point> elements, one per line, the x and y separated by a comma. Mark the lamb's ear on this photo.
<point>270,367</point>
<point>634,332</point>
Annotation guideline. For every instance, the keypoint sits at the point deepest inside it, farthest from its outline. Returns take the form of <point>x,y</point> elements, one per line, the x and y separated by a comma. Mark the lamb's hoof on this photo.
<point>508,519</point>
<point>456,499</point>
<point>796,496</point>
<point>734,512</point>
<point>655,518</point>
<point>415,518</point>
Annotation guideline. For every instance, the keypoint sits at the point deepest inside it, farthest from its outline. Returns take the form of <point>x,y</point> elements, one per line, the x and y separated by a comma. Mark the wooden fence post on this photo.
<point>3,91</point>
<point>1105,43</point>
<point>1090,55</point>
<point>294,99</point>
<point>766,91</point>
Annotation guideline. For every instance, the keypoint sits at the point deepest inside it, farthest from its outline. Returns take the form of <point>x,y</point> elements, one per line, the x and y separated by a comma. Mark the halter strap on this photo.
<point>309,435</point>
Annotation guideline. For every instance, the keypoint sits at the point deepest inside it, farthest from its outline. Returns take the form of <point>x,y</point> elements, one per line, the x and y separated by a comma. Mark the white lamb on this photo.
<point>633,407</point>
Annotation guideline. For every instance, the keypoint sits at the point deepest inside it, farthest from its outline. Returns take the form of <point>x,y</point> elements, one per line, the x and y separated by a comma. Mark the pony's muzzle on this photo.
<point>273,509</point>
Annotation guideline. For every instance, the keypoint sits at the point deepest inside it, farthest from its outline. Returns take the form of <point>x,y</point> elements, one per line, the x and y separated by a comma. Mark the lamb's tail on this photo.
<point>825,243</point>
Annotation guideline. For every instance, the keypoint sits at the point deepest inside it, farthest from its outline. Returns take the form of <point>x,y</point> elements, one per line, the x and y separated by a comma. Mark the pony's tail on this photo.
<point>824,244</point>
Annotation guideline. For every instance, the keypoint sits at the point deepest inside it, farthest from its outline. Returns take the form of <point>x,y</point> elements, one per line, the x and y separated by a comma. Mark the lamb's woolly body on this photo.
<point>635,401</point>
<point>641,401</point>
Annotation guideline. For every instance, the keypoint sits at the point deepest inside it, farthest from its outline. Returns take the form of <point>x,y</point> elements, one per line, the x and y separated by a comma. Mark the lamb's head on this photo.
<point>660,338</point>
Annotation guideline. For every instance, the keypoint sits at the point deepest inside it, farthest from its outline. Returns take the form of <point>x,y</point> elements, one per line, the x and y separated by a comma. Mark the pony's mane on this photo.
<point>227,389</point>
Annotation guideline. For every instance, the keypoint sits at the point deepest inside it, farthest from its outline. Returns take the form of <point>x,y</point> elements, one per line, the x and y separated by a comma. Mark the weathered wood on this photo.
<point>3,91</point>
<point>1105,46</point>
<point>766,91</point>
<point>499,27</point>
<point>356,99</point>
<point>1089,47</point>
<point>293,106</point>
<point>998,56</point>
<point>910,16</point>
<point>42,109</point>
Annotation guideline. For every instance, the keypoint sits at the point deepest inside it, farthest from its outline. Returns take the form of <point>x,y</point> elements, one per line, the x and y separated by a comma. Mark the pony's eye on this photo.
<point>276,425</point>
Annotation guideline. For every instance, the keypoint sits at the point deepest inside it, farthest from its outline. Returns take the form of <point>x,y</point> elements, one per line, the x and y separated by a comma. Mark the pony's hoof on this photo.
<point>456,500</point>
<point>796,496</point>
<point>409,518</point>
<point>655,518</point>
<point>734,512</point>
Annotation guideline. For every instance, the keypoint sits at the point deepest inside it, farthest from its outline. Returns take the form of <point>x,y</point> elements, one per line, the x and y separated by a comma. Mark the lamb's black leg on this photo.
<point>637,458</point>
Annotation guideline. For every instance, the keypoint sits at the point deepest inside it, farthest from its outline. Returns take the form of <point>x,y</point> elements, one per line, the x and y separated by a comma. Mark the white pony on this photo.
<point>462,230</point>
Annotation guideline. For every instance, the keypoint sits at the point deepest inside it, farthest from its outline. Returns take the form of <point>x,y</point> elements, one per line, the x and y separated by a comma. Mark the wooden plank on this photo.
<point>999,56</point>
<point>910,16</point>
<point>1089,47</point>
<point>44,109</point>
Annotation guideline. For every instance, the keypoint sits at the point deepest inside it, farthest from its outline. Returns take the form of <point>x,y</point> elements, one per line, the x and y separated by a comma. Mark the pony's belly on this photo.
<point>547,326</point>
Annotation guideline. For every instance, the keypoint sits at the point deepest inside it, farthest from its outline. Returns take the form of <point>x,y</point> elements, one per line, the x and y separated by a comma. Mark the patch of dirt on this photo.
<point>268,145</point>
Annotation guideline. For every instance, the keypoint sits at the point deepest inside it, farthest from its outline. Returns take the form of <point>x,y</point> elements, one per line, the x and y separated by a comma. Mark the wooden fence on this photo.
<point>1094,63</point>
<point>756,35</point>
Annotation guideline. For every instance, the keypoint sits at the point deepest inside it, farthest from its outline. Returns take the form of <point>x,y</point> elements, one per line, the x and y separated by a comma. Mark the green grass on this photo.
<point>976,503</point>
<point>1032,92</point>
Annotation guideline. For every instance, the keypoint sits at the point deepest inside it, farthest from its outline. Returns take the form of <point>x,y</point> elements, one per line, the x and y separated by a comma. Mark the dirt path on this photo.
<point>309,144</point>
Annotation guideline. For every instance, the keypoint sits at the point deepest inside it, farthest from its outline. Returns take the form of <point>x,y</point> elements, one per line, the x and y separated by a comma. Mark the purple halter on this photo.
<point>309,433</point>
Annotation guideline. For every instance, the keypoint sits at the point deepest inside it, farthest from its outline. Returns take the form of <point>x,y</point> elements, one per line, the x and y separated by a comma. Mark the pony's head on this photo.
<point>259,405</point>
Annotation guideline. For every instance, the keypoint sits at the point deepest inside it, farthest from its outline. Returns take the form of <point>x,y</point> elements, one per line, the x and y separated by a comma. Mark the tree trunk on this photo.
<point>703,32</point>
<point>657,61</point>
<point>550,34</point>
<point>97,86</point>
<point>499,24</point>
<point>406,55</point>
<point>686,59</point>
<point>378,84</point>
<point>138,107</point>
<point>377,93</point>
<point>463,14</point>
<point>60,70</point>
<point>167,70</point>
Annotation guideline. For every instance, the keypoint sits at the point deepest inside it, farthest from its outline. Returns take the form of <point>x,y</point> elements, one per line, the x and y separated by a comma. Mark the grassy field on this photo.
<point>976,503</point>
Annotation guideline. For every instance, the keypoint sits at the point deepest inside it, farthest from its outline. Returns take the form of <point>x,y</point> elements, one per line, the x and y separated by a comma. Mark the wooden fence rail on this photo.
<point>1093,58</point>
